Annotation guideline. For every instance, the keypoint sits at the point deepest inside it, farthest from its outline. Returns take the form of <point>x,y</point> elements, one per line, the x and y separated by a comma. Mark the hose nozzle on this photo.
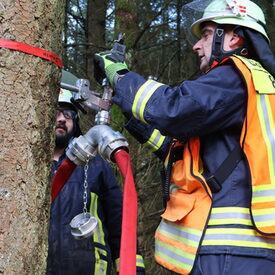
<point>99,139</point>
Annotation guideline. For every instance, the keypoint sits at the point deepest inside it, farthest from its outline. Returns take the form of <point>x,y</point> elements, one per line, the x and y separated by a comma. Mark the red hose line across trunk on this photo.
<point>128,244</point>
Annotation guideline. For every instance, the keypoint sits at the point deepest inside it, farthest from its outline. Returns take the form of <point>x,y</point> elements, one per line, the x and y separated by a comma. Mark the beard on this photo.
<point>62,141</point>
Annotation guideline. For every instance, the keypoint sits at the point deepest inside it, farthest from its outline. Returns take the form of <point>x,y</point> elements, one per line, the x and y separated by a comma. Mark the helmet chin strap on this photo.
<point>218,52</point>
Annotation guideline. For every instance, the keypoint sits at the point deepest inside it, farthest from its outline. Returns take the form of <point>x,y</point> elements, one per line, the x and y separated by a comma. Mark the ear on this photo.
<point>236,41</point>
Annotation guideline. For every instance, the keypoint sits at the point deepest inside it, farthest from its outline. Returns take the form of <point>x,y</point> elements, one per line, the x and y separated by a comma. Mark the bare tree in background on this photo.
<point>96,22</point>
<point>268,6</point>
<point>29,91</point>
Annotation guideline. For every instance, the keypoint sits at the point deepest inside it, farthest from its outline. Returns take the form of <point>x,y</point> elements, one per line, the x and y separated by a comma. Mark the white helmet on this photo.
<point>65,96</point>
<point>234,12</point>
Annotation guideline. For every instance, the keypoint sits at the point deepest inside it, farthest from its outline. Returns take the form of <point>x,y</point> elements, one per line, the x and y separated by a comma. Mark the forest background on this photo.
<point>156,47</point>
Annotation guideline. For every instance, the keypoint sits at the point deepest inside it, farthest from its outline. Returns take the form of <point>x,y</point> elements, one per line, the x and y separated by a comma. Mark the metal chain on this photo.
<point>85,184</point>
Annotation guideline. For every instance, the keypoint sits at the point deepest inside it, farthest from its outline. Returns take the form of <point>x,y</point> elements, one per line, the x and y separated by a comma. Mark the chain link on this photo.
<point>85,184</point>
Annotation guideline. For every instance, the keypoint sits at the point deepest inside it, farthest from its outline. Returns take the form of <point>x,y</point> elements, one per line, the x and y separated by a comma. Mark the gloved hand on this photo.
<point>109,64</point>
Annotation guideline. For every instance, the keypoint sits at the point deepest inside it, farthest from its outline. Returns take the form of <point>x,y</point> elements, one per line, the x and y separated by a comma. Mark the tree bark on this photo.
<point>29,91</point>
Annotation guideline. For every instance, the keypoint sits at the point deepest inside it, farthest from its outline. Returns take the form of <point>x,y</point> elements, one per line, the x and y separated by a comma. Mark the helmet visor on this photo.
<point>191,13</point>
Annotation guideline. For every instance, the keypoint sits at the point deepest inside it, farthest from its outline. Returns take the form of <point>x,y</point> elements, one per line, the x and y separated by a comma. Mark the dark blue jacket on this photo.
<point>67,255</point>
<point>212,107</point>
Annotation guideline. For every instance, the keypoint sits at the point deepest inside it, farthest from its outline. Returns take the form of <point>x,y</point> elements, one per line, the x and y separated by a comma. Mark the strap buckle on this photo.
<point>213,184</point>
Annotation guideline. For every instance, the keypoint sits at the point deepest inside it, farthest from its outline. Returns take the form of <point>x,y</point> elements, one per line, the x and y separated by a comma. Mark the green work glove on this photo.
<point>111,65</point>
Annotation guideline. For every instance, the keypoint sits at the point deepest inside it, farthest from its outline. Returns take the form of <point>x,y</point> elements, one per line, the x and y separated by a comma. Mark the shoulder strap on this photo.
<point>225,169</point>
<point>214,181</point>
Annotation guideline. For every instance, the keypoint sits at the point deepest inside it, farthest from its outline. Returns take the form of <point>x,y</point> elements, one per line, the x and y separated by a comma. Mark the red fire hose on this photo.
<point>129,216</point>
<point>129,212</point>
<point>61,176</point>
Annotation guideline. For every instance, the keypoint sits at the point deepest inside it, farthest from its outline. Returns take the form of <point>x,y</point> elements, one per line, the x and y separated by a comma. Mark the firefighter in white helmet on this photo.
<point>98,254</point>
<point>216,135</point>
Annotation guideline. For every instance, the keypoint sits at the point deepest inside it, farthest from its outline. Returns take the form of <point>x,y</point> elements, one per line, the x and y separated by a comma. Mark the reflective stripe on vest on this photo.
<point>180,232</point>
<point>101,266</point>
<point>176,245</point>
<point>258,142</point>
<point>230,215</point>
<point>241,237</point>
<point>155,141</point>
<point>142,96</point>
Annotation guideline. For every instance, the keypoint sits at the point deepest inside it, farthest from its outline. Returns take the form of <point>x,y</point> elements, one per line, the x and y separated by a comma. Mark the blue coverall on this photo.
<point>212,107</point>
<point>67,255</point>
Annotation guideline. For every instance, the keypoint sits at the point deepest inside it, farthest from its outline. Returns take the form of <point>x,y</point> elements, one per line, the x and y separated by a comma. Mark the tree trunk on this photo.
<point>29,91</point>
<point>269,9</point>
<point>96,23</point>
<point>66,35</point>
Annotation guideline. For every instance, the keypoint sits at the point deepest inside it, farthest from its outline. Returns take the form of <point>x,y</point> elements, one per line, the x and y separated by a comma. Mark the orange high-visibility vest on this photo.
<point>183,226</point>
<point>258,142</point>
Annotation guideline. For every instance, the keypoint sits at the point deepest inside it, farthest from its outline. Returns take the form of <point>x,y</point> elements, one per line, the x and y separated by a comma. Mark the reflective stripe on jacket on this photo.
<point>101,266</point>
<point>182,228</point>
